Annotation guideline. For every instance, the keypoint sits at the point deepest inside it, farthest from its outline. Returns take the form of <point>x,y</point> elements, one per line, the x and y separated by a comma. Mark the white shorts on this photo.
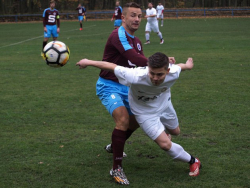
<point>152,26</point>
<point>160,16</point>
<point>154,125</point>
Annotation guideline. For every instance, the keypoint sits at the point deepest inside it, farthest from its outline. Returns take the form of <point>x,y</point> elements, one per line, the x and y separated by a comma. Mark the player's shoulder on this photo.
<point>47,9</point>
<point>140,73</point>
<point>174,68</point>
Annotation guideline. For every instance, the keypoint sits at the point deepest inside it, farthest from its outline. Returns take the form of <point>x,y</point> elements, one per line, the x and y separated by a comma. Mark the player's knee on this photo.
<point>176,131</point>
<point>165,145</point>
<point>122,122</point>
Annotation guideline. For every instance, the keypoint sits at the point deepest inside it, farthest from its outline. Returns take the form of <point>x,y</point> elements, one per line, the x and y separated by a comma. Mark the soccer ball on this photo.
<point>56,54</point>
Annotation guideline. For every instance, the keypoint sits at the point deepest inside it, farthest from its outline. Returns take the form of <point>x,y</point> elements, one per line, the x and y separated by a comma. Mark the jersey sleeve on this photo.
<point>137,59</point>
<point>125,75</point>
<point>44,12</point>
<point>126,50</point>
<point>154,12</point>
<point>120,8</point>
<point>175,69</point>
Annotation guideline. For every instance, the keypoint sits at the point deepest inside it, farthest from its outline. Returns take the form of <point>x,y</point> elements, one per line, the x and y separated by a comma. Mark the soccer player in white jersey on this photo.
<point>152,24</point>
<point>160,10</point>
<point>150,100</point>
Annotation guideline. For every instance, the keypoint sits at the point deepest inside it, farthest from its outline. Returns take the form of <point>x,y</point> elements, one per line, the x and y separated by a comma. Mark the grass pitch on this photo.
<point>54,128</point>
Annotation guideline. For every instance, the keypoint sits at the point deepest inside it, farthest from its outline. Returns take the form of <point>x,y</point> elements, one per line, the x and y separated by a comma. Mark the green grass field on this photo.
<point>54,128</point>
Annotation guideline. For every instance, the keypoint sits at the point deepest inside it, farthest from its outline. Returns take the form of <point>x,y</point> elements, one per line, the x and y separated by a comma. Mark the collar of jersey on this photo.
<point>127,32</point>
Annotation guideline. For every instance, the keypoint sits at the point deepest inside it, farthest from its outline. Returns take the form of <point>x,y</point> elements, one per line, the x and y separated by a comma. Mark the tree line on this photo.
<point>37,6</point>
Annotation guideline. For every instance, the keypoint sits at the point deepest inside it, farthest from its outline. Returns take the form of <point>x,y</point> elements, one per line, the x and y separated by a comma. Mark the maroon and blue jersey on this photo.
<point>122,49</point>
<point>118,13</point>
<point>50,16</point>
<point>81,10</point>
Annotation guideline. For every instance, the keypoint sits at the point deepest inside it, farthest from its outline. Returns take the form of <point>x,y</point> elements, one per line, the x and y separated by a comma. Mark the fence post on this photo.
<point>204,12</point>
<point>15,18</point>
<point>232,12</point>
<point>176,13</point>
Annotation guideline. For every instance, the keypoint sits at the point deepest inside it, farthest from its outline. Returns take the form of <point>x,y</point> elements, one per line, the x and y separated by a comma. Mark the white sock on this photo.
<point>159,35</point>
<point>177,152</point>
<point>161,22</point>
<point>147,36</point>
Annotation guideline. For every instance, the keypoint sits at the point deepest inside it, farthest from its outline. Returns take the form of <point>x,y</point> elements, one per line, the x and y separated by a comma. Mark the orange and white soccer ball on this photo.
<point>56,54</point>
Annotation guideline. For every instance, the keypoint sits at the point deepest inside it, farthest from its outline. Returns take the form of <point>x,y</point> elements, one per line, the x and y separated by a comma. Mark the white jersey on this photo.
<point>150,12</point>
<point>159,9</point>
<point>144,97</point>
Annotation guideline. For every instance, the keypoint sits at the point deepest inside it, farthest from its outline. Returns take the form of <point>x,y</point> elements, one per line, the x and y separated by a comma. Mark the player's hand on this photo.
<point>171,60</point>
<point>58,30</point>
<point>82,63</point>
<point>111,19</point>
<point>146,16</point>
<point>45,29</point>
<point>190,63</point>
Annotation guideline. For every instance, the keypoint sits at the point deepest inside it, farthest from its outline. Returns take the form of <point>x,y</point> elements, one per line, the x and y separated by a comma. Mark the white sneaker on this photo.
<point>162,41</point>
<point>109,149</point>
<point>161,25</point>
<point>148,42</point>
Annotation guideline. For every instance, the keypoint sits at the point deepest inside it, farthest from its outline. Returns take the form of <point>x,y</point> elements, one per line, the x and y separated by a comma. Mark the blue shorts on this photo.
<point>112,94</point>
<point>80,18</point>
<point>118,23</point>
<point>51,29</point>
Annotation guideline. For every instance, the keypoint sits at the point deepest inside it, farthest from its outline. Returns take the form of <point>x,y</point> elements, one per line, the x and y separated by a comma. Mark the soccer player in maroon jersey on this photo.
<point>81,14</point>
<point>51,23</point>
<point>117,15</point>
<point>124,49</point>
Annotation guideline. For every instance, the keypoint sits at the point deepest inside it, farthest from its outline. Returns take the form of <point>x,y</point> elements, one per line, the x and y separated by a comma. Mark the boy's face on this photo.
<point>52,5</point>
<point>131,18</point>
<point>157,75</point>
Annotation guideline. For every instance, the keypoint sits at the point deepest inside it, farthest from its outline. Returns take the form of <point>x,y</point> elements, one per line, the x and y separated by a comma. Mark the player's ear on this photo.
<point>168,70</point>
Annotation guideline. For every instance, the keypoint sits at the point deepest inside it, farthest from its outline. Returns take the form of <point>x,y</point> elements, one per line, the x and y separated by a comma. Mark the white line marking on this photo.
<point>38,37</point>
<point>21,41</point>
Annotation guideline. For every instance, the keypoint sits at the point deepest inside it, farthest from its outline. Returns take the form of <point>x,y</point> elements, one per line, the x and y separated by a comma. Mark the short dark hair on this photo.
<point>128,5</point>
<point>158,60</point>
<point>132,4</point>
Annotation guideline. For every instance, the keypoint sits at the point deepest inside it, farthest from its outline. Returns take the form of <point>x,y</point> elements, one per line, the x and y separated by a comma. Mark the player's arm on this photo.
<point>137,59</point>
<point>44,24</point>
<point>58,23</point>
<point>113,17</point>
<point>44,21</point>
<point>84,63</point>
<point>188,65</point>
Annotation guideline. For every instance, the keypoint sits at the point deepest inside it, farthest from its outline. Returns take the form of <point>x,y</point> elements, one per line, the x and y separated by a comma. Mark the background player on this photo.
<point>51,23</point>
<point>160,11</point>
<point>81,14</point>
<point>152,24</point>
<point>117,15</point>
<point>124,49</point>
<point>150,101</point>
